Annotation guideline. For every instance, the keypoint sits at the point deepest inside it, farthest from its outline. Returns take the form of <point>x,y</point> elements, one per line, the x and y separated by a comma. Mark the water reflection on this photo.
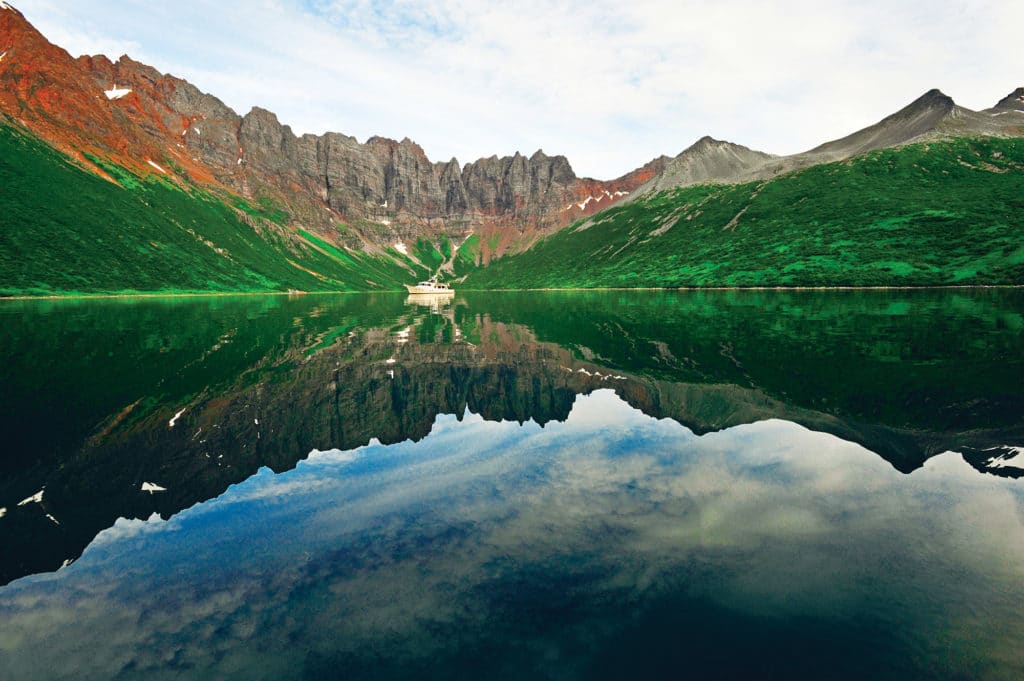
<point>608,545</point>
<point>125,409</point>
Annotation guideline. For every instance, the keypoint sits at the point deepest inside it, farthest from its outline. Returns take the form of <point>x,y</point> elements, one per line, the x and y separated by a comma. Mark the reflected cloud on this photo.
<point>422,550</point>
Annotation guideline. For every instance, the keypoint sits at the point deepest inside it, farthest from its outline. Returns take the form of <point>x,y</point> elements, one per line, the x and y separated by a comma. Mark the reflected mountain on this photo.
<point>124,409</point>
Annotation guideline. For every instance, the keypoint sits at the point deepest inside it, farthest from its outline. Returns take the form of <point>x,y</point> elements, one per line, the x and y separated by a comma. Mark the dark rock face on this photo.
<point>391,184</point>
<point>917,118</point>
<point>383,189</point>
<point>708,160</point>
<point>1011,102</point>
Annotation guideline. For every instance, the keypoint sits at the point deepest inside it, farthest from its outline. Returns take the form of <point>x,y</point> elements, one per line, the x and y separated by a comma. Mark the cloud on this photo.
<point>608,84</point>
<point>416,549</point>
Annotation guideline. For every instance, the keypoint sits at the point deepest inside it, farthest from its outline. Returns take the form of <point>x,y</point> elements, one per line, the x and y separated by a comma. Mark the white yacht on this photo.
<point>431,287</point>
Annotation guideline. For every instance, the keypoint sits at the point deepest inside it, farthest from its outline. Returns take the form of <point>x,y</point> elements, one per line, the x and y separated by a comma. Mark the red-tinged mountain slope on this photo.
<point>47,92</point>
<point>360,195</point>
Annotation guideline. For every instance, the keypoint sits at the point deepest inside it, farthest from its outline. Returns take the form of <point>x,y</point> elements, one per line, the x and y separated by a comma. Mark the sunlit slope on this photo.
<point>66,230</point>
<point>947,212</point>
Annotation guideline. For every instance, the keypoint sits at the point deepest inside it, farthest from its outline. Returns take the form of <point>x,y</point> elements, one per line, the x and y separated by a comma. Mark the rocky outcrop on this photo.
<point>708,160</point>
<point>1012,102</point>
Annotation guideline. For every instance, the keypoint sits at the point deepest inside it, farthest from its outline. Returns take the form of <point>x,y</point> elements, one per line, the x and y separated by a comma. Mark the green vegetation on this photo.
<point>267,209</point>
<point>467,255</point>
<point>373,272</point>
<point>919,359</point>
<point>66,231</point>
<point>940,213</point>
<point>428,254</point>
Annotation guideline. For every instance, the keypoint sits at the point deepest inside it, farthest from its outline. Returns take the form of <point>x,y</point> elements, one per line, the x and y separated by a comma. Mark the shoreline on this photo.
<point>227,294</point>
<point>200,294</point>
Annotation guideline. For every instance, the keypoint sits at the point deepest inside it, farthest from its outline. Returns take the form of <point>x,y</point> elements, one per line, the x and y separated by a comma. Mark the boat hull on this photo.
<point>429,290</point>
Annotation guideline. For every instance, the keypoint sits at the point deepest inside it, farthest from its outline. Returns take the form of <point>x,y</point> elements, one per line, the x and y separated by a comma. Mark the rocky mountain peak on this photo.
<point>261,128</point>
<point>1012,102</point>
<point>14,26</point>
<point>10,8</point>
<point>933,99</point>
<point>708,160</point>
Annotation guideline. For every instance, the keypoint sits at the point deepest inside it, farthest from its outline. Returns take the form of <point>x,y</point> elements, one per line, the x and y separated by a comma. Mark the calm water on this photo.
<point>565,486</point>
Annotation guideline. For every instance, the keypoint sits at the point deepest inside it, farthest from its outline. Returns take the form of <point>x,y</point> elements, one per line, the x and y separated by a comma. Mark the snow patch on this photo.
<point>3,54</point>
<point>117,92</point>
<point>36,498</point>
<point>198,131</point>
<point>170,424</point>
<point>3,511</point>
<point>55,521</point>
<point>599,198</point>
<point>157,167</point>
<point>391,373</point>
<point>1006,461</point>
<point>400,247</point>
<point>152,487</point>
<point>4,5</point>
<point>256,421</point>
<point>391,360</point>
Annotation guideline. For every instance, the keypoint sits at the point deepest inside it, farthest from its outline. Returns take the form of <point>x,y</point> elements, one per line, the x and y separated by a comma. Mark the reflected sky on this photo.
<point>610,545</point>
<point>123,408</point>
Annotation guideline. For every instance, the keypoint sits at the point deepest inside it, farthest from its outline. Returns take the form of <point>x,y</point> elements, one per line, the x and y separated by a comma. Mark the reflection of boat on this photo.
<point>431,287</point>
<point>435,301</point>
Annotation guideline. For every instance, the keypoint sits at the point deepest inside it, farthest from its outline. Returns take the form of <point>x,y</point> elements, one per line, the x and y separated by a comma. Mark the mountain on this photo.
<point>160,187</point>
<point>1011,103</point>
<point>928,196</point>
<point>931,213</point>
<point>707,160</point>
<point>382,192</point>
<point>932,116</point>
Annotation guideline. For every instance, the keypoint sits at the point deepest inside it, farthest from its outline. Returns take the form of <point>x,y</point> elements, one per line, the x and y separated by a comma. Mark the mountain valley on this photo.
<point>122,179</point>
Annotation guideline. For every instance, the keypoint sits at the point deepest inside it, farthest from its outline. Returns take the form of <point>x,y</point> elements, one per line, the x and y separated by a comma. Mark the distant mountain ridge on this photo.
<point>933,115</point>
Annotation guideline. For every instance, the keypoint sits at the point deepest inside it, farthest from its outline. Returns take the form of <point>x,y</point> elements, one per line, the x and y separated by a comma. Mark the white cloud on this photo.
<point>610,85</point>
<point>414,549</point>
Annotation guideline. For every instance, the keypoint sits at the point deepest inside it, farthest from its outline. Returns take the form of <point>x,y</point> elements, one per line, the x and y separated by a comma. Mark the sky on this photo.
<point>609,84</point>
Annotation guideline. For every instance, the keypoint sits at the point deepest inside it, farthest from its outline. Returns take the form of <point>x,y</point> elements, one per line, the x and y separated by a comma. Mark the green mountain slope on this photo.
<point>949,212</point>
<point>64,230</point>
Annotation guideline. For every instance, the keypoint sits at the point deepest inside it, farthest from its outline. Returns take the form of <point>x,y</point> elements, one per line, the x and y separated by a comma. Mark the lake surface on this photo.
<point>744,484</point>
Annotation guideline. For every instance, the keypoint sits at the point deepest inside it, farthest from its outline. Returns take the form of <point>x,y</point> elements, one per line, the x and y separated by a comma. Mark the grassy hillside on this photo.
<point>64,230</point>
<point>950,212</point>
